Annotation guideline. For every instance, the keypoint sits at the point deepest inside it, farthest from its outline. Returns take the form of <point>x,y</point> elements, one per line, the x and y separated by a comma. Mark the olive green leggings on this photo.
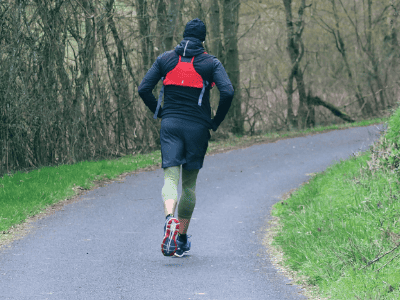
<point>188,197</point>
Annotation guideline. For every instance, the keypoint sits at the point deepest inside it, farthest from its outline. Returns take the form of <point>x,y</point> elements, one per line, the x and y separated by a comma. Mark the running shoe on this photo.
<point>183,248</point>
<point>169,243</point>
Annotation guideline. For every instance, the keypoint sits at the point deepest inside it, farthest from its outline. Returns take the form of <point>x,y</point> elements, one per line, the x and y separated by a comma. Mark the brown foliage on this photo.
<point>69,70</point>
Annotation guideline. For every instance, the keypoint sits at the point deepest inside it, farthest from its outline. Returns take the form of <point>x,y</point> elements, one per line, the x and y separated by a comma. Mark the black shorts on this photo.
<point>183,143</point>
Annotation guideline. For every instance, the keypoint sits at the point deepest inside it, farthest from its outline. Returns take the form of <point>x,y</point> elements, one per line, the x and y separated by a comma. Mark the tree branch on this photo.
<point>259,17</point>
<point>335,110</point>
<point>378,258</point>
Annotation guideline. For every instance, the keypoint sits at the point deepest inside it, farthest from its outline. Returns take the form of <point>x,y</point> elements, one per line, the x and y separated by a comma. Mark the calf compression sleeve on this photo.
<point>171,180</point>
<point>188,197</point>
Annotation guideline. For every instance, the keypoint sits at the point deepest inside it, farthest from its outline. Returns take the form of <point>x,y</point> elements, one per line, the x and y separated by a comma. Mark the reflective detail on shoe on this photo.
<point>183,248</point>
<point>169,243</point>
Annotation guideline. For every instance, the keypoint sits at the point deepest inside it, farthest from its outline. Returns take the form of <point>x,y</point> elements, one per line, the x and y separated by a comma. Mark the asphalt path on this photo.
<point>108,244</point>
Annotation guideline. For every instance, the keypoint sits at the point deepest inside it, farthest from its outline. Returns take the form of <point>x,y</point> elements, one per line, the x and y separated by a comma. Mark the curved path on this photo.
<point>107,246</point>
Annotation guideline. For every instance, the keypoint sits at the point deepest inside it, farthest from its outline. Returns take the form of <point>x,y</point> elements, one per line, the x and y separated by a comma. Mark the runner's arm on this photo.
<point>147,85</point>
<point>225,88</point>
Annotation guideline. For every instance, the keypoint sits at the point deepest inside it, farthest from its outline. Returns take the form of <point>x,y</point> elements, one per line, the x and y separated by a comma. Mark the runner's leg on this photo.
<point>170,196</point>
<point>170,189</point>
<point>187,201</point>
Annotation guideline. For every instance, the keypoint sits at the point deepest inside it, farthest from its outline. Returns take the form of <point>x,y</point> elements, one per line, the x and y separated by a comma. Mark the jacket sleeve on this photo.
<point>225,88</point>
<point>147,85</point>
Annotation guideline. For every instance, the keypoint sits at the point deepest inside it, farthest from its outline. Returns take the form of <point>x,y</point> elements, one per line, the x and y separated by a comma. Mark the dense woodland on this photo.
<point>69,70</point>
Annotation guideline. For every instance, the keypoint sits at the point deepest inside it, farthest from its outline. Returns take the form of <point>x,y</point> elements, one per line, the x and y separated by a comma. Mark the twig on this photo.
<point>388,262</point>
<point>259,17</point>
<point>378,258</point>
<point>364,96</point>
<point>88,15</point>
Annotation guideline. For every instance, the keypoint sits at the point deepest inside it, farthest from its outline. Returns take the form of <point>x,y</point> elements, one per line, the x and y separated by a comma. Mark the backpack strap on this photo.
<point>205,84</point>
<point>213,83</point>
<point>159,100</point>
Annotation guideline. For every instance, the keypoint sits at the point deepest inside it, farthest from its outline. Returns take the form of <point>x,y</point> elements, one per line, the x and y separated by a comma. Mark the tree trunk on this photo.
<point>215,32</point>
<point>392,35</point>
<point>161,8</point>
<point>291,118</point>
<point>374,60</point>
<point>295,49</point>
<point>121,86</point>
<point>180,26</point>
<point>172,18</point>
<point>215,45</point>
<point>305,108</point>
<point>146,43</point>
<point>231,25</point>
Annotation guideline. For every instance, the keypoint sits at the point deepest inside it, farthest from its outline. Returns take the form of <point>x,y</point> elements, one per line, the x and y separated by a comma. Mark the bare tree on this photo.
<point>369,49</point>
<point>69,70</point>
<point>365,106</point>
<point>147,48</point>
<point>215,32</point>
<point>216,44</point>
<point>231,25</point>
<point>172,23</point>
<point>295,48</point>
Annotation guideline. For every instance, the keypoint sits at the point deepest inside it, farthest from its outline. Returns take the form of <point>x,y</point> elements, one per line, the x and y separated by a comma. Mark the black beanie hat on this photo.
<point>196,29</point>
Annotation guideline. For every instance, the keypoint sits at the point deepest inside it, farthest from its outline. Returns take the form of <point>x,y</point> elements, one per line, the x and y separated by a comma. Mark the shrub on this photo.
<point>386,152</point>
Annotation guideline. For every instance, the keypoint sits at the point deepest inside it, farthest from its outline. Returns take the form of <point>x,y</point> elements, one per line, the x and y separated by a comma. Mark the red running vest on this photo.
<point>184,74</point>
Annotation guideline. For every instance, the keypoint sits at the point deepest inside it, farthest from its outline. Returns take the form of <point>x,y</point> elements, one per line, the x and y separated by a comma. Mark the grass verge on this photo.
<point>340,231</point>
<point>23,195</point>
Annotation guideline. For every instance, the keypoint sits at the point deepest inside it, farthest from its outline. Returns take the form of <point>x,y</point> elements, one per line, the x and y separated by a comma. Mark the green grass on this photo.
<point>23,195</point>
<point>340,221</point>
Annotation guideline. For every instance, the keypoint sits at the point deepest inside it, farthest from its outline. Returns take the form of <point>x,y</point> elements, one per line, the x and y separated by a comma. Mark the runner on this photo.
<point>188,73</point>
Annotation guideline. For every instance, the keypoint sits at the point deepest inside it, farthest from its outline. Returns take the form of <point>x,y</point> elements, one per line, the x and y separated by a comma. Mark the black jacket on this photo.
<point>181,102</point>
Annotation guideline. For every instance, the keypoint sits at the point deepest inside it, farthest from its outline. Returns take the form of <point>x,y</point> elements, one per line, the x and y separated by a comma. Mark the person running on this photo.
<point>188,73</point>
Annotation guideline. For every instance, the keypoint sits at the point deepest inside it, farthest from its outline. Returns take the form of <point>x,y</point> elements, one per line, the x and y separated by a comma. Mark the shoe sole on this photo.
<point>183,254</point>
<point>169,245</point>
